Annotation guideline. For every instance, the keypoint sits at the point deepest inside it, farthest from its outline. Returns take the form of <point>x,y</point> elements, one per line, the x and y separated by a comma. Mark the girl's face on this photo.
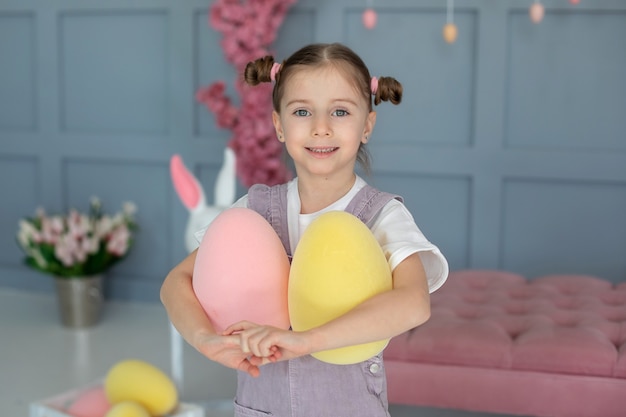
<point>323,120</point>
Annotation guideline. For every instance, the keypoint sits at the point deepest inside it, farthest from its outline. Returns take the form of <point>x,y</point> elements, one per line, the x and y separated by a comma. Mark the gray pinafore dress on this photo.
<point>305,386</point>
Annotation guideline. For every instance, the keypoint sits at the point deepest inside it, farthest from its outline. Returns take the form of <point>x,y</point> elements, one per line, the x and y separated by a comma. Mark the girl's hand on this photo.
<point>268,344</point>
<point>227,351</point>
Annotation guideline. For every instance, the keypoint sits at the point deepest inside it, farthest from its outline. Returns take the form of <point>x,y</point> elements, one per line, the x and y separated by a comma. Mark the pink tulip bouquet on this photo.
<point>77,244</point>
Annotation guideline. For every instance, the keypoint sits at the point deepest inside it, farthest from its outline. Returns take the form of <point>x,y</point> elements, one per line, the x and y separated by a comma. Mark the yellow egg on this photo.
<point>142,382</point>
<point>337,265</point>
<point>127,409</point>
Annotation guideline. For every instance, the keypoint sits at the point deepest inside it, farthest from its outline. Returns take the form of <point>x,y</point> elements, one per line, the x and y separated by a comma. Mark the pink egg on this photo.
<point>241,271</point>
<point>92,402</point>
<point>369,18</point>
<point>574,1</point>
<point>536,12</point>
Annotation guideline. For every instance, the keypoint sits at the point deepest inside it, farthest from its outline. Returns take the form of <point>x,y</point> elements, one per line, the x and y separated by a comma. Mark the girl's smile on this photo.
<point>322,152</point>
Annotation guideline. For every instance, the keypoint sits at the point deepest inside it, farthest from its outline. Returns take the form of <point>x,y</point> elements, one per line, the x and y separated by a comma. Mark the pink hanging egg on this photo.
<point>536,12</point>
<point>369,18</point>
<point>241,271</point>
<point>574,2</point>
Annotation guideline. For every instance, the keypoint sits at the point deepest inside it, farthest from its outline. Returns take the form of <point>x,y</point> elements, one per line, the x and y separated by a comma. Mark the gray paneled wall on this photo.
<point>509,146</point>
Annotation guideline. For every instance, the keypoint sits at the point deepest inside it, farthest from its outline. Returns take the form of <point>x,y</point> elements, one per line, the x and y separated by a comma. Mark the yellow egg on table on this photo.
<point>337,265</point>
<point>127,409</point>
<point>141,382</point>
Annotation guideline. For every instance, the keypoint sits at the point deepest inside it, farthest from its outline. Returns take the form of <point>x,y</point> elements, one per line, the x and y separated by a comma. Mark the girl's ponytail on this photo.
<point>387,89</point>
<point>259,71</point>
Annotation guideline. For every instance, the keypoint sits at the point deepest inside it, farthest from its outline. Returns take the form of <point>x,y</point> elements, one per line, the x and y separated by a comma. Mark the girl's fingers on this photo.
<point>254,339</point>
<point>250,368</point>
<point>244,346</point>
<point>238,327</point>
<point>257,361</point>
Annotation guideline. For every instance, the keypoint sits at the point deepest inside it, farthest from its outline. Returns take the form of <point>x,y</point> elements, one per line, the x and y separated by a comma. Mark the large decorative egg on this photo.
<point>337,265</point>
<point>241,271</point>
<point>141,382</point>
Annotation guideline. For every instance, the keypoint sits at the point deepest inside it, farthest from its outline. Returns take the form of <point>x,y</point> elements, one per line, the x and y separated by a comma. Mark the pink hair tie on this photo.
<point>374,85</point>
<point>274,71</point>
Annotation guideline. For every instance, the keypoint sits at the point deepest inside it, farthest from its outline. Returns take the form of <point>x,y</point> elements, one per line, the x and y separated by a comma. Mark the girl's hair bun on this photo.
<point>259,71</point>
<point>389,89</point>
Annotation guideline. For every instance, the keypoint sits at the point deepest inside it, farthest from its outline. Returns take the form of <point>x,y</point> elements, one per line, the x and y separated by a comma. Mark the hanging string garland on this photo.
<point>450,31</point>
<point>369,16</point>
<point>536,12</point>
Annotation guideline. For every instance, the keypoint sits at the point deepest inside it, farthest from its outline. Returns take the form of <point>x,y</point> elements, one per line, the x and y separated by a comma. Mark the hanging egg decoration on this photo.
<point>536,12</point>
<point>574,2</point>
<point>450,32</point>
<point>369,18</point>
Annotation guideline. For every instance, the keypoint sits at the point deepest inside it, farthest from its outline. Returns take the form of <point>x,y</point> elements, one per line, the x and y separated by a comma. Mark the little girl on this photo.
<point>323,114</point>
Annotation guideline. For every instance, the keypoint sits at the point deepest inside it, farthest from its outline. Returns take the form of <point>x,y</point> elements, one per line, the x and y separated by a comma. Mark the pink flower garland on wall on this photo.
<point>248,30</point>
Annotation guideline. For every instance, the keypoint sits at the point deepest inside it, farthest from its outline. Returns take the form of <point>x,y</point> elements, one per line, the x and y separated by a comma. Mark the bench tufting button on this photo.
<point>374,368</point>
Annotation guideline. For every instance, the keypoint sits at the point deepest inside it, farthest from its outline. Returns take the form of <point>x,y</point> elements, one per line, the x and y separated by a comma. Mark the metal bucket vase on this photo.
<point>80,300</point>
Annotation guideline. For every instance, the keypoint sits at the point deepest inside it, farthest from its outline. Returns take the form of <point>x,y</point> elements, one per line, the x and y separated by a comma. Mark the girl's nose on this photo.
<point>321,127</point>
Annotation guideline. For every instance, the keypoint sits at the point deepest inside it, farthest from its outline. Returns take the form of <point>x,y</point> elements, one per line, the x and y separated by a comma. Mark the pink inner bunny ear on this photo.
<point>185,184</point>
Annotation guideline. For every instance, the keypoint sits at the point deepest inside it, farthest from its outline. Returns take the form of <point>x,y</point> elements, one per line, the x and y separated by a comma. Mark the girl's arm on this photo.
<point>187,315</point>
<point>383,316</point>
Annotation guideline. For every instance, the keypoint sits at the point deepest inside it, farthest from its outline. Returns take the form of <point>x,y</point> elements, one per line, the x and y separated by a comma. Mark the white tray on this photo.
<point>54,406</point>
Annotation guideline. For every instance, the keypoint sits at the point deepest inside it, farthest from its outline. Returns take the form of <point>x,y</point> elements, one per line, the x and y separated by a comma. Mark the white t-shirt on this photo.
<point>394,228</point>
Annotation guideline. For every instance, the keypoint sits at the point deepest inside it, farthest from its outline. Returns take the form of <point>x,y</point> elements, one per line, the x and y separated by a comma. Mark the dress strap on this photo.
<point>368,202</point>
<point>271,203</point>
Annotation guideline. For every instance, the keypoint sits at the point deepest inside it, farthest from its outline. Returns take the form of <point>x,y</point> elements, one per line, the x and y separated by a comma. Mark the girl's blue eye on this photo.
<point>301,112</point>
<point>341,113</point>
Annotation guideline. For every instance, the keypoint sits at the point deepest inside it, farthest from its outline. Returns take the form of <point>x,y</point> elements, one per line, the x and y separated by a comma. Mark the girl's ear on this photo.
<point>369,126</point>
<point>278,126</point>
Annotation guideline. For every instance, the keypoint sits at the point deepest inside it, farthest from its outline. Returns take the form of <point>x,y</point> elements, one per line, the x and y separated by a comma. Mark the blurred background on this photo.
<point>509,146</point>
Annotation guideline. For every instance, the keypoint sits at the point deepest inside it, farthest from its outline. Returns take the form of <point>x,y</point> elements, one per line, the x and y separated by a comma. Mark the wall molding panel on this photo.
<point>113,72</point>
<point>509,146</point>
<point>550,226</point>
<point>17,75</point>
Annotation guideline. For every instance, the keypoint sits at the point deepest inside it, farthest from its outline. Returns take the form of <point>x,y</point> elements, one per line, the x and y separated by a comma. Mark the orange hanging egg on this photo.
<point>450,32</point>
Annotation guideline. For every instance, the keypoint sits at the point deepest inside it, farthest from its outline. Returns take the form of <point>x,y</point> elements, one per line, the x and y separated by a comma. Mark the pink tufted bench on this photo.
<point>496,342</point>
